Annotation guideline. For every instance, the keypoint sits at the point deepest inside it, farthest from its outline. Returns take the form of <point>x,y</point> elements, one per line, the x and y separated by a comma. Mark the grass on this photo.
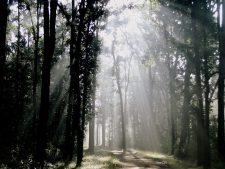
<point>100,160</point>
<point>106,160</point>
<point>175,163</point>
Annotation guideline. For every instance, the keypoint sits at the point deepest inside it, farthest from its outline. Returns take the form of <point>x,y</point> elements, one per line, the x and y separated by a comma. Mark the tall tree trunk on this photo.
<point>221,141</point>
<point>69,141</point>
<point>3,114</point>
<point>3,27</point>
<point>49,46</point>
<point>173,107</point>
<point>97,132</point>
<point>185,121</point>
<point>36,62</point>
<point>206,160</point>
<point>68,151</point>
<point>18,65</point>
<point>200,114</point>
<point>92,121</point>
<point>92,134</point>
<point>117,72</point>
<point>103,129</point>
<point>85,87</point>
<point>77,95</point>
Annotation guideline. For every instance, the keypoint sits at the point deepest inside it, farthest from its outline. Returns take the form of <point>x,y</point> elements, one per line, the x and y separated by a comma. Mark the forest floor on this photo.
<point>135,160</point>
<point>132,159</point>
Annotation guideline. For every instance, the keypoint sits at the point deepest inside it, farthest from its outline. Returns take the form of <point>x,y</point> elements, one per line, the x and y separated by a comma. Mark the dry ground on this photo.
<point>134,160</point>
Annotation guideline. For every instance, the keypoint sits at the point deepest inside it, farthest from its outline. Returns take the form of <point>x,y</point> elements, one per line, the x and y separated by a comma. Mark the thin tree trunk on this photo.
<point>97,133</point>
<point>92,121</point>
<point>18,73</point>
<point>92,134</point>
<point>197,54</point>
<point>185,121</point>
<point>3,27</point>
<point>3,114</point>
<point>77,95</point>
<point>36,62</point>
<point>69,141</point>
<point>120,96</point>
<point>221,141</point>
<point>206,160</point>
<point>103,129</point>
<point>173,108</point>
<point>172,111</point>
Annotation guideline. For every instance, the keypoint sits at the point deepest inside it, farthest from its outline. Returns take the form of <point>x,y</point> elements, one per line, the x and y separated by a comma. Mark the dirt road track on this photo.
<point>133,160</point>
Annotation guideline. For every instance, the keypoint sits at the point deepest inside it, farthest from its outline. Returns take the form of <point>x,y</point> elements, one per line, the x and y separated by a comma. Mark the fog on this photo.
<point>129,61</point>
<point>115,79</point>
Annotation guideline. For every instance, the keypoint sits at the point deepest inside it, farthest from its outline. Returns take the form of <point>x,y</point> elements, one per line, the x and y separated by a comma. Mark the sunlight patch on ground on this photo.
<point>152,154</point>
<point>173,162</point>
<point>133,159</point>
<point>102,160</point>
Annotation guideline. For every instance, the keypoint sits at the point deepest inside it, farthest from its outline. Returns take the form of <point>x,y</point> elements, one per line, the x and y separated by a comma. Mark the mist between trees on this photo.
<point>77,76</point>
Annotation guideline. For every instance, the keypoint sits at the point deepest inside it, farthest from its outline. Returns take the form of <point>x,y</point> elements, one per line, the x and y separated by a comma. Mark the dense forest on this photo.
<point>86,78</point>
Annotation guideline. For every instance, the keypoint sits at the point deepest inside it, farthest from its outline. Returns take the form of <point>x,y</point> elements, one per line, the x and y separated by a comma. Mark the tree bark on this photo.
<point>77,121</point>
<point>117,72</point>
<point>103,129</point>
<point>200,114</point>
<point>69,141</point>
<point>220,139</point>
<point>49,46</point>
<point>206,160</point>
<point>92,134</point>
<point>3,32</point>
<point>185,121</point>
<point>3,27</point>
<point>36,62</point>
<point>173,107</point>
<point>92,121</point>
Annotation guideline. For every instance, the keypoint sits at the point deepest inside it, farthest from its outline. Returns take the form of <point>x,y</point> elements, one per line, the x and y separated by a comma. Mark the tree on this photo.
<point>196,8</point>
<point>221,141</point>
<point>185,116</point>
<point>49,46</point>
<point>118,82</point>
<point>3,28</point>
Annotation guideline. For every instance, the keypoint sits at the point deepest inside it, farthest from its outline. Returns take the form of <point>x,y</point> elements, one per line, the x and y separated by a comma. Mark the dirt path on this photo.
<point>133,160</point>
